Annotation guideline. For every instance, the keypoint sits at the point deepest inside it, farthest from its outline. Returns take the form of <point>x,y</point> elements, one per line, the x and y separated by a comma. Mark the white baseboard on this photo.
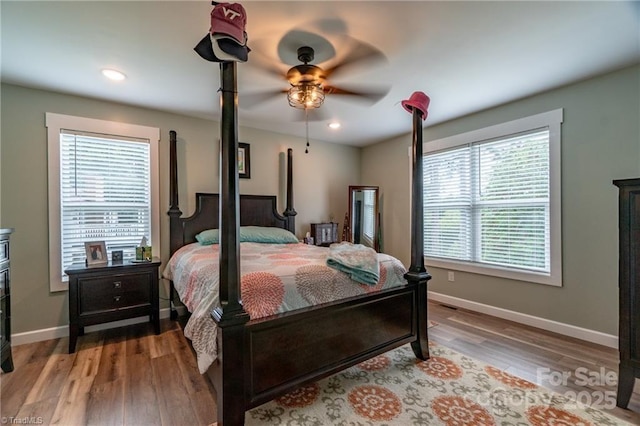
<point>63,331</point>
<point>543,323</point>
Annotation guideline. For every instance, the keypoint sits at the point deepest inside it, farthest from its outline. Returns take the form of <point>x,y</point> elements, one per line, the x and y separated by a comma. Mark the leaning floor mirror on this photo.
<point>363,216</point>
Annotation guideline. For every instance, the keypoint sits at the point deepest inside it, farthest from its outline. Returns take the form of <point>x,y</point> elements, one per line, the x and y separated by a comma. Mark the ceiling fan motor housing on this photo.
<point>305,73</point>
<point>306,54</point>
<point>309,74</point>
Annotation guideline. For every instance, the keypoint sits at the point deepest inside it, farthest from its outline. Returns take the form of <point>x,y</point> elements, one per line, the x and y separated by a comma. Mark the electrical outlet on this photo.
<point>451,276</point>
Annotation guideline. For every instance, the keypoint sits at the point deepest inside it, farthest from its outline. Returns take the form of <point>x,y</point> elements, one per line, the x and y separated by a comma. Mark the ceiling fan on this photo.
<point>309,84</point>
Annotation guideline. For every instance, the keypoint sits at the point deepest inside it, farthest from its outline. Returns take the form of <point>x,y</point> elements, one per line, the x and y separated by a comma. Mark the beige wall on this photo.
<point>600,142</point>
<point>320,190</point>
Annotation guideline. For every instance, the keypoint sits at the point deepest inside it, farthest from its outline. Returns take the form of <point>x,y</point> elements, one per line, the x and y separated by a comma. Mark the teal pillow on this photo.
<point>251,234</point>
<point>208,237</point>
<point>262,234</point>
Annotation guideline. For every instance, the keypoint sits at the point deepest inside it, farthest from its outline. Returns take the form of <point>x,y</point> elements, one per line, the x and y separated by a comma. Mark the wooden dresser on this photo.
<point>112,292</point>
<point>5,300</point>
<point>629,287</point>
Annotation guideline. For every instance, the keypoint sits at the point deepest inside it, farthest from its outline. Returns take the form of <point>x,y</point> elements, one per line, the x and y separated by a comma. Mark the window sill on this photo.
<point>495,271</point>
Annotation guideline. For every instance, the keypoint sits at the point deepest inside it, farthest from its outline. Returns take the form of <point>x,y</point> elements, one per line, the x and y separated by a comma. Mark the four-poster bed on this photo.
<point>260,359</point>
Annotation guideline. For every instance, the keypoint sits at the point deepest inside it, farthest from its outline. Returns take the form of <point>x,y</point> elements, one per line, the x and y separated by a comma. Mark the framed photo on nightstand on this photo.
<point>96,252</point>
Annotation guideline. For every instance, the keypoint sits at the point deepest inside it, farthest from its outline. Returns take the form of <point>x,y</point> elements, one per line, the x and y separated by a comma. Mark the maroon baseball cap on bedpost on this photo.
<point>229,19</point>
<point>419,101</point>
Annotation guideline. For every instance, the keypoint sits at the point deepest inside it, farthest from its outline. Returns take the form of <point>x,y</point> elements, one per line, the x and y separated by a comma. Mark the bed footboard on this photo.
<point>285,353</point>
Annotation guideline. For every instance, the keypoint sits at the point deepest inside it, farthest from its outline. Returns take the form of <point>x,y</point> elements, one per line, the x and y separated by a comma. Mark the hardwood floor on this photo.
<point>130,376</point>
<point>123,376</point>
<point>536,355</point>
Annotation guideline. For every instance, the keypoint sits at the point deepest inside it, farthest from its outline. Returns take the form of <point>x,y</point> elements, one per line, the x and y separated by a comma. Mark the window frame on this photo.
<point>55,123</point>
<point>552,121</point>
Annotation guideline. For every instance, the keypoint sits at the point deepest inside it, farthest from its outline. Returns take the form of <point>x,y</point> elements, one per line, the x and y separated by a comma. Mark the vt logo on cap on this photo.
<point>229,19</point>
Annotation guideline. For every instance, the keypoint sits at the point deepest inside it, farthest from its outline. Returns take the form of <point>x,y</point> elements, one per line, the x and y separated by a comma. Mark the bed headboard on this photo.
<point>256,210</point>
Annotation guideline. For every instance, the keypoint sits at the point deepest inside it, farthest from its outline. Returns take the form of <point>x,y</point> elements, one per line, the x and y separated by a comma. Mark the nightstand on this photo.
<point>324,234</point>
<point>5,301</point>
<point>112,292</point>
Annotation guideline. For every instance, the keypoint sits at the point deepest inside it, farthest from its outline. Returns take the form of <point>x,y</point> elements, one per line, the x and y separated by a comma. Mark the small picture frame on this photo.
<point>116,256</point>
<point>244,160</point>
<point>96,252</point>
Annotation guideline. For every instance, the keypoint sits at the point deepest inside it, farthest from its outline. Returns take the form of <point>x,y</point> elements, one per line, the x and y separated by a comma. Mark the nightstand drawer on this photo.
<point>4,250</point>
<point>4,281</point>
<point>114,292</point>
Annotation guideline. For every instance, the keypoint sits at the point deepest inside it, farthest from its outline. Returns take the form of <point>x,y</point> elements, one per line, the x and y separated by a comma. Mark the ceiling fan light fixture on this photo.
<point>306,96</point>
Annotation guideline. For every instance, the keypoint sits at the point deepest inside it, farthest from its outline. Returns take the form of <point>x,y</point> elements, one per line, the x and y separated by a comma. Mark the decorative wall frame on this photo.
<point>244,160</point>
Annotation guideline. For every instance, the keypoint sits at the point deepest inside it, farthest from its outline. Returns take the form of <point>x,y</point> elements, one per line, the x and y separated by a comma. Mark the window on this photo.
<point>369,217</point>
<point>492,200</point>
<point>103,186</point>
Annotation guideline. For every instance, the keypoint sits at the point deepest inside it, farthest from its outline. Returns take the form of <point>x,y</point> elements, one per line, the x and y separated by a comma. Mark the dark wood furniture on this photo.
<point>324,234</point>
<point>112,292</point>
<point>261,359</point>
<point>5,301</point>
<point>629,287</point>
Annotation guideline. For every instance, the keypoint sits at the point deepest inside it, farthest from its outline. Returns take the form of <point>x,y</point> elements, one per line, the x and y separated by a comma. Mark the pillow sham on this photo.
<point>208,237</point>
<point>251,234</point>
<point>266,234</point>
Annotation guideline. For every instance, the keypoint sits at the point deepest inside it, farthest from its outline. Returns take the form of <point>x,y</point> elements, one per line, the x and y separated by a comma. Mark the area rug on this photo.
<point>448,389</point>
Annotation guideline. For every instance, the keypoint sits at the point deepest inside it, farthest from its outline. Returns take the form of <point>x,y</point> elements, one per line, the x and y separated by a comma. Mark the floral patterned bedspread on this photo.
<point>275,278</point>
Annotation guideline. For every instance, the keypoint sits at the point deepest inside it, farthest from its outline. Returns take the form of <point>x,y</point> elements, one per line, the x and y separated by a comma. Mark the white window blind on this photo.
<point>369,220</point>
<point>105,193</point>
<point>488,202</point>
<point>492,200</point>
<point>447,204</point>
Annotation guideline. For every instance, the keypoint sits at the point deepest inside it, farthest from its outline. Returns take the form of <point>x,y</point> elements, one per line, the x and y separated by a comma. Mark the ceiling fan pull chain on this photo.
<point>306,120</point>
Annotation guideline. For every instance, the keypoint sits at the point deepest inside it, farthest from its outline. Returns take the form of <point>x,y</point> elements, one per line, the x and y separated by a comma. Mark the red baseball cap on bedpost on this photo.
<point>419,101</point>
<point>229,19</point>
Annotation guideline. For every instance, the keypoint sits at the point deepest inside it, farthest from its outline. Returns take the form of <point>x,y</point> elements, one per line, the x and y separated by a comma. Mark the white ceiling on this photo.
<point>466,55</point>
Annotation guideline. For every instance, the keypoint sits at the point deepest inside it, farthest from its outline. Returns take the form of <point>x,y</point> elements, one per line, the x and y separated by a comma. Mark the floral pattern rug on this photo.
<point>448,389</point>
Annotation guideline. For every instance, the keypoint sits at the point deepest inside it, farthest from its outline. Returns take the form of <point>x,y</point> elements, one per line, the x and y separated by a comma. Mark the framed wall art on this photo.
<point>244,160</point>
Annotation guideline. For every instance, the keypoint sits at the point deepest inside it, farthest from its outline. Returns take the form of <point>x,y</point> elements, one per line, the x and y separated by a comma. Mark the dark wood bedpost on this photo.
<point>174,212</point>
<point>290,212</point>
<point>418,274</point>
<point>230,316</point>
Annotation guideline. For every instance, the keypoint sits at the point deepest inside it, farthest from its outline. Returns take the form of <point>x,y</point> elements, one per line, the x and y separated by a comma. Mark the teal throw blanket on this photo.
<point>360,262</point>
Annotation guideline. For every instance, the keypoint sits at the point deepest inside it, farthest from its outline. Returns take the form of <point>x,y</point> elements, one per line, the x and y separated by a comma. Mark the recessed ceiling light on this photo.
<point>334,125</point>
<point>113,74</point>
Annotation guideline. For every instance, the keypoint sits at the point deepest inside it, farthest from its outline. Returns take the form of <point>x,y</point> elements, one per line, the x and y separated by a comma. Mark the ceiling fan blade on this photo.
<point>361,53</point>
<point>371,95</point>
<point>261,61</point>
<point>252,100</point>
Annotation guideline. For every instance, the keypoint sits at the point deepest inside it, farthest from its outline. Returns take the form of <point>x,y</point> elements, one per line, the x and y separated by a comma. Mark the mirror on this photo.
<point>363,216</point>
